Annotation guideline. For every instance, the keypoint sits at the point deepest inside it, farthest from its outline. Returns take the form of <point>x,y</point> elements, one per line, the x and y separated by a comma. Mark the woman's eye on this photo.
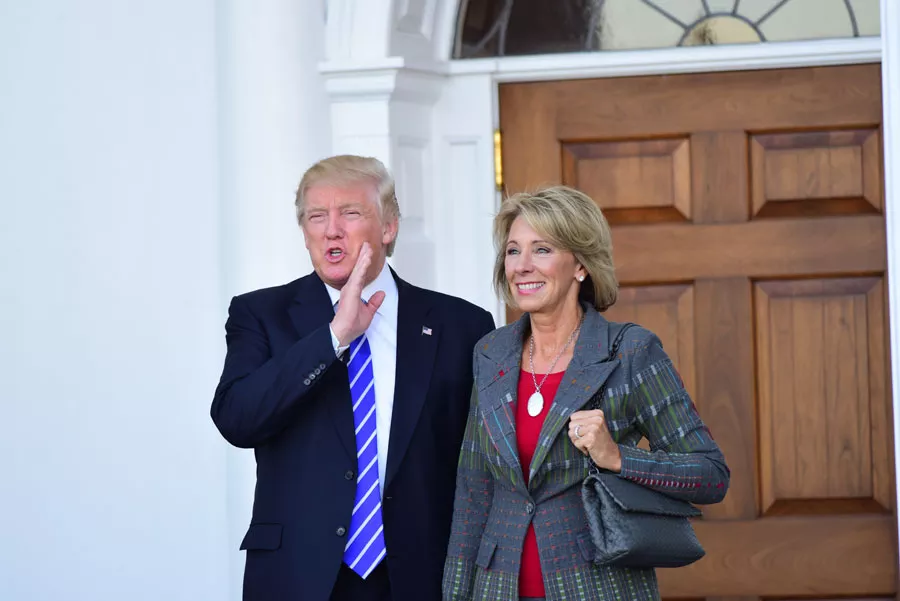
<point>543,250</point>
<point>512,251</point>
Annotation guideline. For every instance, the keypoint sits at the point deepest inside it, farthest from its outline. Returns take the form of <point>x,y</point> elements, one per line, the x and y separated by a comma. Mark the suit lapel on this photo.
<point>499,360</point>
<point>416,350</point>
<point>586,373</point>
<point>310,309</point>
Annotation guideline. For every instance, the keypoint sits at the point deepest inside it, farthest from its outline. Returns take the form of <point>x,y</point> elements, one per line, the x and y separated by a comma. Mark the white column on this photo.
<point>463,191</point>
<point>273,124</point>
<point>890,84</point>
<point>385,111</point>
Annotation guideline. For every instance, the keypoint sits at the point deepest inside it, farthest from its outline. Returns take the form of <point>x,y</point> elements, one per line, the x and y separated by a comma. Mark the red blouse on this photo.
<point>528,430</point>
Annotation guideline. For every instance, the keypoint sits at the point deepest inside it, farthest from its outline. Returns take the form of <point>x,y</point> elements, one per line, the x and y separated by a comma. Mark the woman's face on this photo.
<point>542,278</point>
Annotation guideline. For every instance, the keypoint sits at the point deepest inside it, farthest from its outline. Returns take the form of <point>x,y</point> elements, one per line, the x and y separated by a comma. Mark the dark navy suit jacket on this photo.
<point>285,394</point>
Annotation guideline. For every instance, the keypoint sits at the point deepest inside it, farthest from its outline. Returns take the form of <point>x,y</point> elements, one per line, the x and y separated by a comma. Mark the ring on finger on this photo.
<point>577,428</point>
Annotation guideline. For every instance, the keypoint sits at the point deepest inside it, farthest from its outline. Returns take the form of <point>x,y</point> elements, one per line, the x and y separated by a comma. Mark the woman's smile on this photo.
<point>526,288</point>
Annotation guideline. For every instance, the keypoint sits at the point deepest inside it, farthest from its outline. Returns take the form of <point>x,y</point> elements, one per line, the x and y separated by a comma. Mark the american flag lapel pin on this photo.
<point>426,331</point>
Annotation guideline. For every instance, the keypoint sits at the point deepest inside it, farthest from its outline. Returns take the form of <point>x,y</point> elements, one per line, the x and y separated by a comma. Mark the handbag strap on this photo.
<point>611,354</point>
<point>597,400</point>
<point>614,347</point>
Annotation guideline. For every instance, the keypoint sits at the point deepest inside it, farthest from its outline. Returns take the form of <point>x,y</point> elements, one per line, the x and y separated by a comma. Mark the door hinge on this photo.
<point>498,160</point>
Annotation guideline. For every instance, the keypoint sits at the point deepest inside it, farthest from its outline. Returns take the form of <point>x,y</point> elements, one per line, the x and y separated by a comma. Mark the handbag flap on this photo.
<point>633,497</point>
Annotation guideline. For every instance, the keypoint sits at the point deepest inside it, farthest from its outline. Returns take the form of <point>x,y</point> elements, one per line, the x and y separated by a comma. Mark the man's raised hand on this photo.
<point>353,316</point>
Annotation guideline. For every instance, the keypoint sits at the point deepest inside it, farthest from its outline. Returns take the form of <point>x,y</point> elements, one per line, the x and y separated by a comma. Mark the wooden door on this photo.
<point>749,234</point>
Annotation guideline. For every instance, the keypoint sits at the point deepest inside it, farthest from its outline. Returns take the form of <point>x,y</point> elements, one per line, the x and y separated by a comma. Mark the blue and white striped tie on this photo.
<point>365,548</point>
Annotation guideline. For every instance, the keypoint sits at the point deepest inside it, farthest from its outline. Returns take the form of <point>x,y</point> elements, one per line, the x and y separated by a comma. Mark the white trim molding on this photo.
<point>668,61</point>
<point>890,89</point>
<point>385,109</point>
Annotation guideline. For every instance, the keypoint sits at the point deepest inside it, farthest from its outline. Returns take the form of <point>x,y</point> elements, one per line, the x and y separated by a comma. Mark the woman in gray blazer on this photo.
<point>519,529</point>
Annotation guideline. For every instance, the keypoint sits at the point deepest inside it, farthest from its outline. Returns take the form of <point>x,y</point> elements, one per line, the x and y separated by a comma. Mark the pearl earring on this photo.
<point>581,278</point>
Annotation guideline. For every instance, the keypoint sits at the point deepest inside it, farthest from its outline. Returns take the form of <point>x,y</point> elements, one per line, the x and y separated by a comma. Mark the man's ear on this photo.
<point>389,231</point>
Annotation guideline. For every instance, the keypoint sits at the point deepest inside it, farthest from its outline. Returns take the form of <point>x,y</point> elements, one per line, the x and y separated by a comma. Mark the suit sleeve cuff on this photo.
<point>336,344</point>
<point>632,463</point>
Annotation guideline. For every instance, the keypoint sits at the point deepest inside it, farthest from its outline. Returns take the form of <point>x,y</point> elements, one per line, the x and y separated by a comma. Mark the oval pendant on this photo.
<point>535,404</point>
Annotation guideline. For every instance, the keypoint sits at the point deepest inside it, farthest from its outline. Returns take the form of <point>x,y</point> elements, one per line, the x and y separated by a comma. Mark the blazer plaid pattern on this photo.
<point>644,397</point>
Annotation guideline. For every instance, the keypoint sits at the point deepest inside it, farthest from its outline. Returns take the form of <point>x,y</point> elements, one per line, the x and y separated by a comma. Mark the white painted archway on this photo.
<point>394,93</point>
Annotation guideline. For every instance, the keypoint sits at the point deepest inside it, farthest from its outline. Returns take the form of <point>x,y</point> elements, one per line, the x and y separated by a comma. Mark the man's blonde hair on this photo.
<point>348,169</point>
<point>571,221</point>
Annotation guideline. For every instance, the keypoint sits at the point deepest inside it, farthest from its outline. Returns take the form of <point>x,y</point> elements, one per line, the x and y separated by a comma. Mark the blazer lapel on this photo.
<point>587,372</point>
<point>310,309</point>
<point>499,361</point>
<point>417,343</point>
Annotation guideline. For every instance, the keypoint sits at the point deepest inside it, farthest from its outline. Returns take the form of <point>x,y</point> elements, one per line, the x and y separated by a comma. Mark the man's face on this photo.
<point>337,219</point>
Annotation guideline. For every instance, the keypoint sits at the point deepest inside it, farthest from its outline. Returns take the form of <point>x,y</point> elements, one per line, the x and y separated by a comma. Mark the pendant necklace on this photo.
<point>536,400</point>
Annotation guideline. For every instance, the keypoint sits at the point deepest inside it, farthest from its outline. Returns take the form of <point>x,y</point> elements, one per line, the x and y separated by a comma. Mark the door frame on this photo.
<point>395,93</point>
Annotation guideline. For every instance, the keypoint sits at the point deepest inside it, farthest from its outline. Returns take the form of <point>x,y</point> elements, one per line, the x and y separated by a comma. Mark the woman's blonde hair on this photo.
<point>571,221</point>
<point>348,169</point>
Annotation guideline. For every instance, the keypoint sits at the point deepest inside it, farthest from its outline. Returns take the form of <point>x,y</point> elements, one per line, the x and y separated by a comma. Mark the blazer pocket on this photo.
<point>485,553</point>
<point>586,544</point>
<point>262,537</point>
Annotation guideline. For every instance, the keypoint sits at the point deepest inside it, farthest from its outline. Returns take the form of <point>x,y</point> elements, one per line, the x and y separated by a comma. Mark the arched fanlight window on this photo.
<point>489,28</point>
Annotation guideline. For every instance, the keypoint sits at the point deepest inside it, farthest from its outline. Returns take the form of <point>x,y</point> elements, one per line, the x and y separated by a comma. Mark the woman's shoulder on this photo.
<point>636,340</point>
<point>641,353</point>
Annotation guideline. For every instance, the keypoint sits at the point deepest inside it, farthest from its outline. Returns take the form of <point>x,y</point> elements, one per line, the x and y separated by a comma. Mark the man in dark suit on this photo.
<point>353,387</point>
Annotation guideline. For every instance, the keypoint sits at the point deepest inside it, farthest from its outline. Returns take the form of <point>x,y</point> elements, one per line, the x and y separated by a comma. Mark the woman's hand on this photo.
<point>589,434</point>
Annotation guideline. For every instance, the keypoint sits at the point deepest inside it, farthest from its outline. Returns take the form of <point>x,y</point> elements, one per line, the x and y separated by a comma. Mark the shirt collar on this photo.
<point>384,282</point>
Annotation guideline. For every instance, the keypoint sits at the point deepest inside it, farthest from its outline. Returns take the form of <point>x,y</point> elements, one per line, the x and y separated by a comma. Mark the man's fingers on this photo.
<point>374,302</point>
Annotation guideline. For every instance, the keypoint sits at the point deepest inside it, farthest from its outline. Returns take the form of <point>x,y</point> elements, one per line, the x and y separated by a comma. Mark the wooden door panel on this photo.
<point>633,107</point>
<point>838,599</point>
<point>761,248</point>
<point>794,556</point>
<point>816,403</point>
<point>814,394</point>
<point>725,387</point>
<point>633,180</point>
<point>748,234</point>
<point>718,166</point>
<point>824,172</point>
<point>668,312</point>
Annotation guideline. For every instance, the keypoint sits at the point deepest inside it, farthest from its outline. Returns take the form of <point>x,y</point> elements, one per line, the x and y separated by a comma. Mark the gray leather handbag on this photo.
<point>634,526</point>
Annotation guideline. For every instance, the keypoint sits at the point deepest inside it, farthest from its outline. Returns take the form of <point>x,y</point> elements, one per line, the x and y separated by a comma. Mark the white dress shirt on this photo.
<point>382,336</point>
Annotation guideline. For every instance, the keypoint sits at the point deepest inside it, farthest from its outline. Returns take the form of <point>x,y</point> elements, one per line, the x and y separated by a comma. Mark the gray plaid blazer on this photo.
<point>644,397</point>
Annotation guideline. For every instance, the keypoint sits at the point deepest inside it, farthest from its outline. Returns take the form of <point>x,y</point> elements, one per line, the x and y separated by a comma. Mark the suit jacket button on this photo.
<point>321,366</point>
<point>348,475</point>
<point>341,531</point>
<point>529,508</point>
<point>312,376</point>
<point>318,371</point>
<point>306,381</point>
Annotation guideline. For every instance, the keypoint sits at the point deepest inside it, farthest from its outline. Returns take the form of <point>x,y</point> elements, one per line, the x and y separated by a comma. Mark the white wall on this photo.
<point>274,123</point>
<point>274,119</point>
<point>119,250</point>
